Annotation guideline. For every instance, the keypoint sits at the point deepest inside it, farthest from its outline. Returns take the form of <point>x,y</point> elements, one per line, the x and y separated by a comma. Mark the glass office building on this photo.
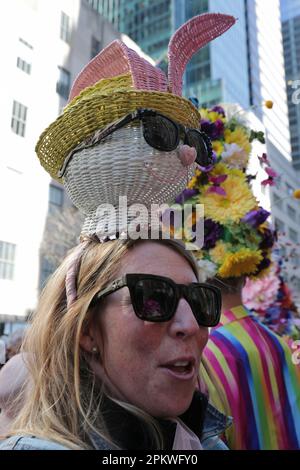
<point>290,15</point>
<point>209,76</point>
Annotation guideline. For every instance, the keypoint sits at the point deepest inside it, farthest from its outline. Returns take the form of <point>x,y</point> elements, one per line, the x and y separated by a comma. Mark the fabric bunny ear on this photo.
<point>188,39</point>
<point>117,59</point>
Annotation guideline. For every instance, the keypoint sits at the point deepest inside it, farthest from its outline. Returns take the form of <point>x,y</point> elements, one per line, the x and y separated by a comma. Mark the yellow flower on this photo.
<point>218,253</point>
<point>220,169</point>
<point>211,115</point>
<point>239,137</point>
<point>265,272</point>
<point>269,104</point>
<point>193,180</point>
<point>217,147</point>
<point>242,262</point>
<point>230,208</point>
<point>198,254</point>
<point>296,194</point>
<point>223,169</point>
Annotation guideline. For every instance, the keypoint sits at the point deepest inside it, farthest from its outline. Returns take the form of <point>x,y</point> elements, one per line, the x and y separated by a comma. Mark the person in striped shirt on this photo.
<point>249,374</point>
<point>248,370</point>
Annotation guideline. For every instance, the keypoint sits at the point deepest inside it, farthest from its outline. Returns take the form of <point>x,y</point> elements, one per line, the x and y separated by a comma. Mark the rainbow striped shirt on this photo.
<point>249,374</point>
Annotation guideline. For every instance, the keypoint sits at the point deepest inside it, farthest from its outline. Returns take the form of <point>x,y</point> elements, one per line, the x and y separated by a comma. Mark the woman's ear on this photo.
<point>87,339</point>
<point>87,343</point>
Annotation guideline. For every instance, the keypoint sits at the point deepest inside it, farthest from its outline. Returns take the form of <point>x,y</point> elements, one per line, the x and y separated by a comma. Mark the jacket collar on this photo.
<point>215,423</point>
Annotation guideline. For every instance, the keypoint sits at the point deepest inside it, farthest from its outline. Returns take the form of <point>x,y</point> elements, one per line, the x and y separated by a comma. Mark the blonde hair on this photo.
<point>64,404</point>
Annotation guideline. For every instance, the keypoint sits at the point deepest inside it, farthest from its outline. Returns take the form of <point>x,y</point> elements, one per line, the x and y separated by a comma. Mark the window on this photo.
<point>289,189</point>
<point>293,235</point>
<point>293,121</point>
<point>296,283</point>
<point>277,201</point>
<point>64,83</point>
<point>279,225</point>
<point>65,27</point>
<point>95,47</point>
<point>294,140</point>
<point>282,251</point>
<point>25,43</point>
<point>7,260</point>
<point>21,64</point>
<point>18,121</point>
<point>56,198</point>
<point>291,213</point>
<point>295,258</point>
<point>47,269</point>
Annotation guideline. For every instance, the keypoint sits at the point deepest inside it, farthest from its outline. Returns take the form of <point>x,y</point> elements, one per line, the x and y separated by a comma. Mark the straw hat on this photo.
<point>115,83</point>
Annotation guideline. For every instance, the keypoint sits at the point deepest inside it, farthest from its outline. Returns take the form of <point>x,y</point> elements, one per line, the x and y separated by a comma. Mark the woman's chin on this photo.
<point>172,409</point>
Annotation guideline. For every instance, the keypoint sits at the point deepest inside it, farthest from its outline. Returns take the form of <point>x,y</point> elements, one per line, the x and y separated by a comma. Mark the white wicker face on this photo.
<point>123,164</point>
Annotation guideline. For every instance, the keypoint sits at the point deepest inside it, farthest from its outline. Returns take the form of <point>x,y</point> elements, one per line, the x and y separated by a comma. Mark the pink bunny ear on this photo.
<point>117,59</point>
<point>188,39</point>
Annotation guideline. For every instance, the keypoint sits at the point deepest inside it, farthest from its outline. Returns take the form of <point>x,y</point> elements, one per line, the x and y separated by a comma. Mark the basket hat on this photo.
<point>112,85</point>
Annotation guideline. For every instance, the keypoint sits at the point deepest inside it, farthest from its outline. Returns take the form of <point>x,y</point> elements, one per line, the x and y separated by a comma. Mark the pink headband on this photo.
<point>72,271</point>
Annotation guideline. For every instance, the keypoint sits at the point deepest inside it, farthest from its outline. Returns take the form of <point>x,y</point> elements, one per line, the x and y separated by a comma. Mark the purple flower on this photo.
<point>268,239</point>
<point>185,195</point>
<point>264,264</point>
<point>207,126</point>
<point>218,179</point>
<point>270,181</point>
<point>219,128</point>
<point>213,129</point>
<point>271,172</point>
<point>217,190</point>
<point>212,232</point>
<point>256,218</point>
<point>207,169</point>
<point>264,159</point>
<point>218,109</point>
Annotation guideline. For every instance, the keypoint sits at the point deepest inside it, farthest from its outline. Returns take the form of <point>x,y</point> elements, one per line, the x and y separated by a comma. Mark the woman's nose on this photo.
<point>187,155</point>
<point>184,323</point>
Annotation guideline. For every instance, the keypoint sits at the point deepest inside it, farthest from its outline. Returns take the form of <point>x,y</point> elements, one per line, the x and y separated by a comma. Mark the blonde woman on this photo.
<point>115,348</point>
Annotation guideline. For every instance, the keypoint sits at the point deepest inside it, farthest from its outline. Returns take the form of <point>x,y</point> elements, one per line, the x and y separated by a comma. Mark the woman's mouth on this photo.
<point>183,369</point>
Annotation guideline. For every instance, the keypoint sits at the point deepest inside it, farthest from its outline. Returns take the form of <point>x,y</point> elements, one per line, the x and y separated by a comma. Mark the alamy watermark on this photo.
<point>295,84</point>
<point>182,222</point>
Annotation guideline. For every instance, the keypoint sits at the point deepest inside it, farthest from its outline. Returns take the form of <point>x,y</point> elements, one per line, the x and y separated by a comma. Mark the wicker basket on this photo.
<point>123,164</point>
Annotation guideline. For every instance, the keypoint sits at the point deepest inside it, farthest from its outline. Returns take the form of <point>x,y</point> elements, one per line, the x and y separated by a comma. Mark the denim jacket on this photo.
<point>214,425</point>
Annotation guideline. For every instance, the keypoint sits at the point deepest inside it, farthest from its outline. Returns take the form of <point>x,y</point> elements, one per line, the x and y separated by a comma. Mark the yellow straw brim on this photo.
<point>97,111</point>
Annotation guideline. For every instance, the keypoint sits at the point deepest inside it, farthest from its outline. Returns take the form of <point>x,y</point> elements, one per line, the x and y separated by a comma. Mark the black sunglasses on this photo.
<point>160,132</point>
<point>155,298</point>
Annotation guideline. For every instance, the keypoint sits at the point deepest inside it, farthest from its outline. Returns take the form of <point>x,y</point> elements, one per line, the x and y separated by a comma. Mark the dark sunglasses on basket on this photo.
<point>159,131</point>
<point>155,298</point>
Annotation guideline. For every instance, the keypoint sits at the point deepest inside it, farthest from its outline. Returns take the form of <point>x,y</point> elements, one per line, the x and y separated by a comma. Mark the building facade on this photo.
<point>290,15</point>
<point>209,75</point>
<point>48,44</point>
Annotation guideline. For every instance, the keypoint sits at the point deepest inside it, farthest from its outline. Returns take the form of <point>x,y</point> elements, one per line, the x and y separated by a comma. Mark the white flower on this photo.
<point>207,268</point>
<point>230,149</point>
<point>234,156</point>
